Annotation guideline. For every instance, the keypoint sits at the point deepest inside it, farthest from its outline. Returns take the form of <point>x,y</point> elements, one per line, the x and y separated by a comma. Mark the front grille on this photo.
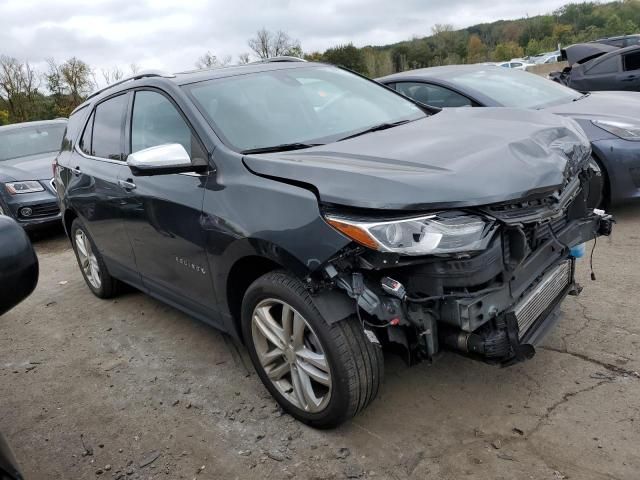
<point>542,296</point>
<point>42,210</point>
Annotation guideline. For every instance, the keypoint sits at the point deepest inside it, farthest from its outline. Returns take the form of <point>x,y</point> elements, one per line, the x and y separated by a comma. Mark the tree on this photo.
<point>135,68</point>
<point>70,83</point>
<point>209,60</point>
<point>347,56</point>
<point>112,75</point>
<point>18,87</point>
<point>267,44</point>
<point>476,50</point>
<point>507,51</point>
<point>244,58</point>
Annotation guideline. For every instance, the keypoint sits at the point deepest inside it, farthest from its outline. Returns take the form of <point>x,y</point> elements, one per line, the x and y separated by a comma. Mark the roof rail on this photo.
<point>281,58</point>
<point>137,76</point>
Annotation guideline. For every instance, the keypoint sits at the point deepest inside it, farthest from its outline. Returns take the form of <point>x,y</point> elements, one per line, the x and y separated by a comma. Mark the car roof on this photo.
<point>39,123</point>
<point>195,76</point>
<point>435,72</point>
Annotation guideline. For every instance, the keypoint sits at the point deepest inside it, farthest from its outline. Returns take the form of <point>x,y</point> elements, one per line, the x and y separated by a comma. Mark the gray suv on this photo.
<point>320,217</point>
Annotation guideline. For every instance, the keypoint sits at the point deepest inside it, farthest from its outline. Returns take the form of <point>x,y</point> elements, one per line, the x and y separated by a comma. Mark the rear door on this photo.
<point>163,216</point>
<point>92,186</point>
<point>602,75</point>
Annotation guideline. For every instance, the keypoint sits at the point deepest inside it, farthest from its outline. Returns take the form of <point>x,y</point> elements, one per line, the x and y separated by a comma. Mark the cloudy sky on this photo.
<point>172,34</point>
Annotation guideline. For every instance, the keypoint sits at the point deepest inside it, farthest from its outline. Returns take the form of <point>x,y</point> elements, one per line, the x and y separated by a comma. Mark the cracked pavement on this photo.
<point>154,394</point>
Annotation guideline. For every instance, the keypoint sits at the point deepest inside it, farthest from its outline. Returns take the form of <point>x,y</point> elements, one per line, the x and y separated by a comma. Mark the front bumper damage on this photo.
<point>496,305</point>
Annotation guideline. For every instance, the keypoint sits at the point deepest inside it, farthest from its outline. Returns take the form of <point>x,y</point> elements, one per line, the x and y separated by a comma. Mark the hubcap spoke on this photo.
<point>297,334</point>
<point>291,355</point>
<point>313,372</point>
<point>278,371</point>
<point>269,328</point>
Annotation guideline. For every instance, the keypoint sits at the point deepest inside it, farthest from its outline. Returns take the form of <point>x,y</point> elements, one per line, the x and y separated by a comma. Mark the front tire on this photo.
<point>91,264</point>
<point>320,373</point>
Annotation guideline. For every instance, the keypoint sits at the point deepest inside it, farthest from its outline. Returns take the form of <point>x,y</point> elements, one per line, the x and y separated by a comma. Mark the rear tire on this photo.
<point>91,264</point>
<point>351,366</point>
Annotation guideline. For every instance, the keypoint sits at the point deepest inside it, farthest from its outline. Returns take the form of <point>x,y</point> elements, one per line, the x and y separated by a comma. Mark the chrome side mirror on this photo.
<point>162,159</point>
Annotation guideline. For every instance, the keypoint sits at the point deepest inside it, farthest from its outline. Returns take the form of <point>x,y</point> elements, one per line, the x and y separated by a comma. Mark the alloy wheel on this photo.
<point>291,355</point>
<point>88,260</point>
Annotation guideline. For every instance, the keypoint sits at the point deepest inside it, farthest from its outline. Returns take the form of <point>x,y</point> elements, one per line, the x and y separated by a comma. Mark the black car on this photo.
<point>27,191</point>
<point>317,216</point>
<point>611,120</point>
<point>18,278</point>
<point>595,67</point>
<point>620,41</point>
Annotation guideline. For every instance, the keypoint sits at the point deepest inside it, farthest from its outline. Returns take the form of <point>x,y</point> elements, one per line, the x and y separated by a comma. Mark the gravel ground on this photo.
<point>133,389</point>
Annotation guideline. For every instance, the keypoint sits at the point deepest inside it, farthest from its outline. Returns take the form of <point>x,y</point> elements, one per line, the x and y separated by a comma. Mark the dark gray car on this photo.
<point>596,67</point>
<point>27,191</point>
<point>611,120</point>
<point>318,217</point>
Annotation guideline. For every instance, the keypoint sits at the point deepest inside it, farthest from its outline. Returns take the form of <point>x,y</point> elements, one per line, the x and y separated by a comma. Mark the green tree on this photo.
<point>476,50</point>
<point>507,51</point>
<point>347,56</point>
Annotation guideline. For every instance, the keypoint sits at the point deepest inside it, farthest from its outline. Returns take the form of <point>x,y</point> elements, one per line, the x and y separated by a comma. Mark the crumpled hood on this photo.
<point>458,157</point>
<point>620,106</point>
<point>34,167</point>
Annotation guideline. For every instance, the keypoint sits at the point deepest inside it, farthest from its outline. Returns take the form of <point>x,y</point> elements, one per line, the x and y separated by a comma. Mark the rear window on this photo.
<point>107,128</point>
<point>27,141</point>
<point>632,61</point>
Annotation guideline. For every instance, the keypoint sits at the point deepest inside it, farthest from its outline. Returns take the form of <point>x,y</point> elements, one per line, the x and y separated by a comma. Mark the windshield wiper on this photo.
<point>582,96</point>
<point>375,128</point>
<point>284,147</point>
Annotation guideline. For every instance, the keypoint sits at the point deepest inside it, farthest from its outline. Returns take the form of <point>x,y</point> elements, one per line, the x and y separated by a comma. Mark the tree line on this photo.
<point>27,94</point>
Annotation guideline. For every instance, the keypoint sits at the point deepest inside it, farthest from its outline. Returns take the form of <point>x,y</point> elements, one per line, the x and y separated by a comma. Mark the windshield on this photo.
<point>26,141</point>
<point>311,105</point>
<point>513,88</point>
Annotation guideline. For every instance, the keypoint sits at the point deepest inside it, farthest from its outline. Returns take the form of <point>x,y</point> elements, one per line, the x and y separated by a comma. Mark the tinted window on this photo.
<point>107,128</point>
<point>156,121</point>
<point>609,65</point>
<point>23,142</point>
<point>85,141</point>
<point>434,95</point>
<point>632,61</point>
<point>314,104</point>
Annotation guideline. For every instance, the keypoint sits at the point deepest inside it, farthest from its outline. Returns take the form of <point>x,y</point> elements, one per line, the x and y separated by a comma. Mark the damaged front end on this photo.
<point>485,281</point>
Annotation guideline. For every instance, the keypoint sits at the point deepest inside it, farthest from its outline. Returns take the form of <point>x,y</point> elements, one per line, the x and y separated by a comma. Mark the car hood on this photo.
<point>33,167</point>
<point>459,157</point>
<point>621,106</point>
<point>583,52</point>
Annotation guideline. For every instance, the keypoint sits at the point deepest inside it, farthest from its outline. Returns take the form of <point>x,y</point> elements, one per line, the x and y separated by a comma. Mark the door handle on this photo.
<point>126,185</point>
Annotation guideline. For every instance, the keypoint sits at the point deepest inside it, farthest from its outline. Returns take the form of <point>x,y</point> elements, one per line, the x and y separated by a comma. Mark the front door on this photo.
<point>162,217</point>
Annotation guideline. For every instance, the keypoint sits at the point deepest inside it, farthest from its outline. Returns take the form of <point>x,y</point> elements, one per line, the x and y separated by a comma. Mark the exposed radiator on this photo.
<point>542,296</point>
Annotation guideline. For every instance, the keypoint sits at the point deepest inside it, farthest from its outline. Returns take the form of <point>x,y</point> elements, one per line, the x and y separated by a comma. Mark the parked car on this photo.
<point>27,191</point>
<point>18,278</point>
<point>620,41</point>
<point>514,64</point>
<point>594,66</point>
<point>318,231</point>
<point>611,120</point>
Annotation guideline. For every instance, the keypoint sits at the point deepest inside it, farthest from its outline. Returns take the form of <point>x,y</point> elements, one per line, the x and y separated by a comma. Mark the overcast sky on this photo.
<point>172,34</point>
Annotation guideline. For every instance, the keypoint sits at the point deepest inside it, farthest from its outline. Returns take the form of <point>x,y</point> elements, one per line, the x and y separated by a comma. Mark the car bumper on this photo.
<point>32,210</point>
<point>621,159</point>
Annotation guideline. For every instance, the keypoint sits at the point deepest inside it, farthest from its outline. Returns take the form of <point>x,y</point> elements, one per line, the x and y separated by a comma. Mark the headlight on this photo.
<point>28,186</point>
<point>446,232</point>
<point>628,131</point>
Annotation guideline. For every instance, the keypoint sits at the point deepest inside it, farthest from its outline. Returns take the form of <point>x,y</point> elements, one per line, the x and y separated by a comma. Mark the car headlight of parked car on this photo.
<point>628,131</point>
<point>439,233</point>
<point>26,186</point>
